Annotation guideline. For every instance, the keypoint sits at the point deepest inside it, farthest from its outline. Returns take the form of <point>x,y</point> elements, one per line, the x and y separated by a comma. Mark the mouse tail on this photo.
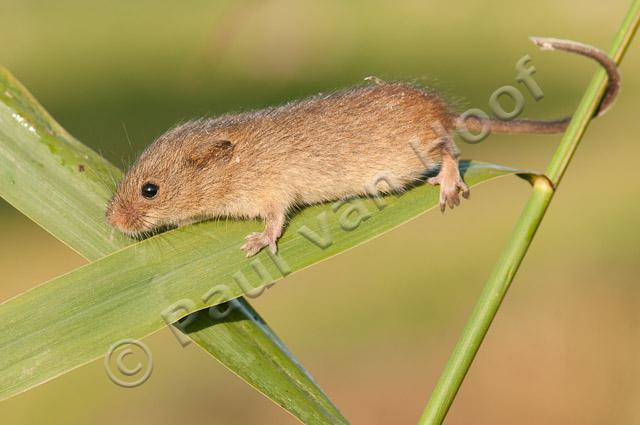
<point>479,124</point>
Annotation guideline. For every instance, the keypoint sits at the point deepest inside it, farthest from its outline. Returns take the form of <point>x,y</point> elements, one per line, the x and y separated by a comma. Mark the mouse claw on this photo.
<point>466,193</point>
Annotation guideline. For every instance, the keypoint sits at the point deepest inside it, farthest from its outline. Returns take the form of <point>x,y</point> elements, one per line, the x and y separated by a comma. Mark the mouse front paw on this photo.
<point>256,241</point>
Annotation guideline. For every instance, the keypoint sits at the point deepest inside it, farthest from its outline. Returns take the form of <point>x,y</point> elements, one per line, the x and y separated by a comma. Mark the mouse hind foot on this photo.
<point>450,182</point>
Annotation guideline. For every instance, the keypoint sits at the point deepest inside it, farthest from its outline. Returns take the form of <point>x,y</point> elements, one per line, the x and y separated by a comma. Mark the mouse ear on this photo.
<point>207,151</point>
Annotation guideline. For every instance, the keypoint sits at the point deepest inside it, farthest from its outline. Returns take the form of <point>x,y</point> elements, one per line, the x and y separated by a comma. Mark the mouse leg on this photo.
<point>274,222</point>
<point>449,180</point>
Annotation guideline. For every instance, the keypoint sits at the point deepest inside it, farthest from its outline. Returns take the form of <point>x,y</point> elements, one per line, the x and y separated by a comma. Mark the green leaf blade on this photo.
<point>63,186</point>
<point>128,290</point>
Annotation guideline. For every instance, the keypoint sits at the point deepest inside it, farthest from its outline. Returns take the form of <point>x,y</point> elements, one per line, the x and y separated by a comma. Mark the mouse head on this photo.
<point>170,183</point>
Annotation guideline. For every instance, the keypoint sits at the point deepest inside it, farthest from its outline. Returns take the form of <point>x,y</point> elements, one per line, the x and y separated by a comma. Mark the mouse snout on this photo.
<point>125,218</point>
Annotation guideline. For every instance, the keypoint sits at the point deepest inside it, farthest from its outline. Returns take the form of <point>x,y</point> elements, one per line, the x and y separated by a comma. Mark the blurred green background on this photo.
<point>374,325</point>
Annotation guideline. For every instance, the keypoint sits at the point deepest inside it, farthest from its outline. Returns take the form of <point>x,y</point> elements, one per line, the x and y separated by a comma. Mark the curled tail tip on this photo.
<point>591,52</point>
<point>545,43</point>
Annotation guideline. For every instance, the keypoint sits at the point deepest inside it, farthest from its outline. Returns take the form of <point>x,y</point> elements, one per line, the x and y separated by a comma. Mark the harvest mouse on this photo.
<point>353,142</point>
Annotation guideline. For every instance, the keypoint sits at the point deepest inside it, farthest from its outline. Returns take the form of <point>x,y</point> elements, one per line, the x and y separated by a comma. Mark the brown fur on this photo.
<point>262,163</point>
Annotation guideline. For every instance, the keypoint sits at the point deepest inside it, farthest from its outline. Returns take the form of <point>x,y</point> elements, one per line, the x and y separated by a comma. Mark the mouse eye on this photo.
<point>149,190</point>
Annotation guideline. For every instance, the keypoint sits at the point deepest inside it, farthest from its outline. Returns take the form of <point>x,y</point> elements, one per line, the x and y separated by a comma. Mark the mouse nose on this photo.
<point>121,217</point>
<point>112,219</point>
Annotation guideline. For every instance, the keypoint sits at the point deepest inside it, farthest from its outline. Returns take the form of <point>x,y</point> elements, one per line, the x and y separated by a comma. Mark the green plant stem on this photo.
<point>525,229</point>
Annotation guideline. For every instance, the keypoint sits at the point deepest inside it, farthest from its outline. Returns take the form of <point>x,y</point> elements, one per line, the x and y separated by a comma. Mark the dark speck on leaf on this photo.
<point>81,168</point>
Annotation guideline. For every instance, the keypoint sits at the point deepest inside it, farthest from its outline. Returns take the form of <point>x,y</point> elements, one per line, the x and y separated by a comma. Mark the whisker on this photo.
<point>126,134</point>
